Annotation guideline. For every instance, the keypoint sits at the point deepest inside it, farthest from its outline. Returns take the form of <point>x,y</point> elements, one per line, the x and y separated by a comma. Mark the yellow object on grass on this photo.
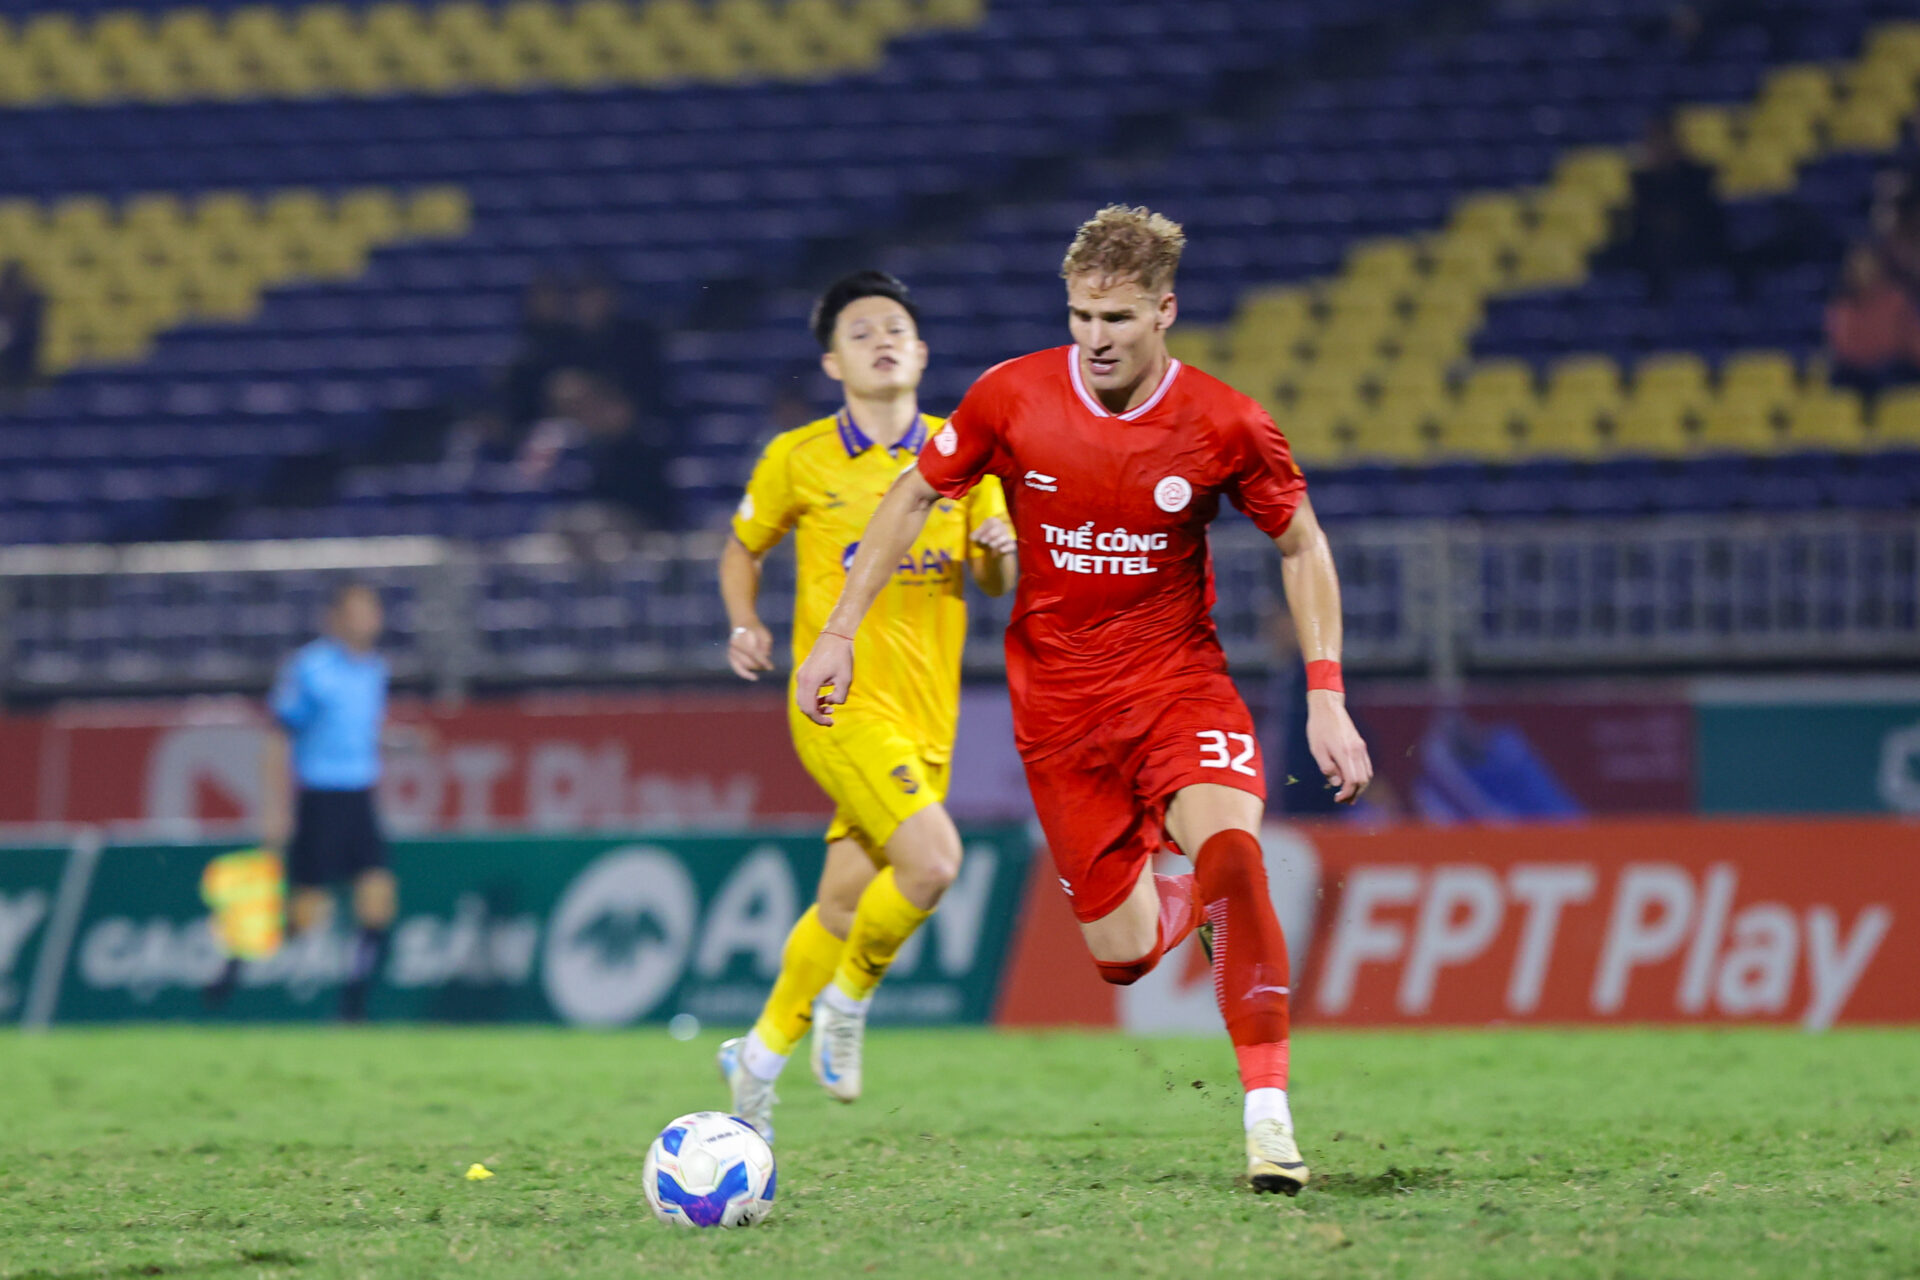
<point>247,892</point>
<point>478,1173</point>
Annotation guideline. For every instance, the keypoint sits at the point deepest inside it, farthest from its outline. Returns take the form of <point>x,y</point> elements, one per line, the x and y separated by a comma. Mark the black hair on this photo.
<point>848,290</point>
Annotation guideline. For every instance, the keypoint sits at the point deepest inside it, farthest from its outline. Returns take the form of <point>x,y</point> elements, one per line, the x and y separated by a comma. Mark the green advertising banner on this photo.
<point>1808,757</point>
<point>29,890</point>
<point>601,930</point>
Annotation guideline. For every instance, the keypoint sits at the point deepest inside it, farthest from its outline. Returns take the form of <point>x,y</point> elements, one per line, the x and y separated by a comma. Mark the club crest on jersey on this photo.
<point>946,441</point>
<point>1172,494</point>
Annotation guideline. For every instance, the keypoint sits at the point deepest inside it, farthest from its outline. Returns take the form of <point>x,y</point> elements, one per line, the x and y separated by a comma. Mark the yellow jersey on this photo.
<point>824,481</point>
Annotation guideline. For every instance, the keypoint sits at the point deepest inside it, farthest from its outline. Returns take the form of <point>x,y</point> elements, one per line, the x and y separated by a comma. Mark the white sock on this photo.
<point>844,1003</point>
<point>761,1061</point>
<point>1268,1104</point>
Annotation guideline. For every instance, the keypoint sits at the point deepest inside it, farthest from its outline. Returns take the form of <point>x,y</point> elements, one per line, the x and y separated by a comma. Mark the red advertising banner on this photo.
<point>1627,921</point>
<point>548,763</point>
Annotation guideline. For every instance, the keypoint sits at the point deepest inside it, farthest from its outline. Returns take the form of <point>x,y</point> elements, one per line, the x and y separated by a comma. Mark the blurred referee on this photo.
<point>329,705</point>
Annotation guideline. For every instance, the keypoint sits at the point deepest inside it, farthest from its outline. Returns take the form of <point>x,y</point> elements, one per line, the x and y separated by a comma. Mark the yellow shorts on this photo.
<point>875,775</point>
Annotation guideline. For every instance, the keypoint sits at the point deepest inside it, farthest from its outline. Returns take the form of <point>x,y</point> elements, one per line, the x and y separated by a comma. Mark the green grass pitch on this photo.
<point>325,1153</point>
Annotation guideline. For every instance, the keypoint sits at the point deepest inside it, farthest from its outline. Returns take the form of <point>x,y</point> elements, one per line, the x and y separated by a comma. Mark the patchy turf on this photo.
<point>323,1153</point>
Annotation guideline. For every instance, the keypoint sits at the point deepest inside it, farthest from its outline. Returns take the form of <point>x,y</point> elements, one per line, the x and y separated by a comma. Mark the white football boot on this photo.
<point>837,1037</point>
<point>753,1098</point>
<point>1273,1158</point>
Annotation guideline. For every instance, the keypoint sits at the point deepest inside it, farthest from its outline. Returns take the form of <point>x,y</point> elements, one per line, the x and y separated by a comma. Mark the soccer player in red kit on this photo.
<point>1115,457</point>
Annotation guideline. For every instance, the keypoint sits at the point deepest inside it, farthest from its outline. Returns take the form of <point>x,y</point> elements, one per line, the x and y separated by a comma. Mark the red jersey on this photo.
<point>1116,586</point>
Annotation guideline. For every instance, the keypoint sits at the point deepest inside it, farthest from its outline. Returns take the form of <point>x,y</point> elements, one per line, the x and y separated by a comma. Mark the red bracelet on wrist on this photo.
<point>1325,674</point>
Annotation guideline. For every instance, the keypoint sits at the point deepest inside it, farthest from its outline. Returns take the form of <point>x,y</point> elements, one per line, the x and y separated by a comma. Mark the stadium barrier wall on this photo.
<point>1814,922</point>
<point>721,759</point>
<point>598,931</point>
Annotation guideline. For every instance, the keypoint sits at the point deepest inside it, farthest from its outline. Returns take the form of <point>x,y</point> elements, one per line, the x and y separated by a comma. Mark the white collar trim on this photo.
<point>1099,410</point>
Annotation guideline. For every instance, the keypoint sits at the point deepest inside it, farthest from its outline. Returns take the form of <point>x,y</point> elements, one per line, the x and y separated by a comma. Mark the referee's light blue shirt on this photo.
<point>331,701</point>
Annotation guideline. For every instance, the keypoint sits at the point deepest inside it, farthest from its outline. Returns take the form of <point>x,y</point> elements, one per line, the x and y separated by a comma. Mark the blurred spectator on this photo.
<point>546,330</point>
<point>1873,327</point>
<point>1675,222</point>
<point>21,306</point>
<point>1898,222</point>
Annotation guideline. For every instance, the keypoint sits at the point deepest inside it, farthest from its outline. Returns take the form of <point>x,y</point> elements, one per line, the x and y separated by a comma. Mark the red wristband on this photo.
<point>1325,674</point>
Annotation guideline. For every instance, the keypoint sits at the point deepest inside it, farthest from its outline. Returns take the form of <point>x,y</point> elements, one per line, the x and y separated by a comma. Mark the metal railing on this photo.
<point>1420,597</point>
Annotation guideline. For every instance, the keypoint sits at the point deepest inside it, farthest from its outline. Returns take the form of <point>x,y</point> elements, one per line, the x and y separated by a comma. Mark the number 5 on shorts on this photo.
<point>1216,754</point>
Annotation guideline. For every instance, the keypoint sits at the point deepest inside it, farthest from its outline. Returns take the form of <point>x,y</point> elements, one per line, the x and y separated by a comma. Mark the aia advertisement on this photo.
<point>1626,921</point>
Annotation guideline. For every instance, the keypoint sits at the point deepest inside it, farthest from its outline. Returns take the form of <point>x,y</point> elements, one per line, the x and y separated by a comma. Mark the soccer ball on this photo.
<point>709,1169</point>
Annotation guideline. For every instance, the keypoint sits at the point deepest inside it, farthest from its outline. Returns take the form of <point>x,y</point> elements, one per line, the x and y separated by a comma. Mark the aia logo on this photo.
<point>903,774</point>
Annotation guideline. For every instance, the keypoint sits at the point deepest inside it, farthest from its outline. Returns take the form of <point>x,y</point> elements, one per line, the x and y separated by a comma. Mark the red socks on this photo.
<point>1179,916</point>
<point>1250,975</point>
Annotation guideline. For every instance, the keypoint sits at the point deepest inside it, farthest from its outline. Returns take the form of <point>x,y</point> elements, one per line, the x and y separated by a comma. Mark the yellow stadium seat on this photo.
<point>1499,383</point>
<point>1826,420</point>
<point>1678,377</point>
<point>371,213</point>
<point>438,211</point>
<point>1390,261</point>
<point>1866,125</point>
<point>1808,86</point>
<point>1880,78</point>
<point>1549,262</point>
<point>80,217</point>
<point>1325,378</point>
<point>1896,43</point>
<point>223,211</point>
<point>1768,377</point>
<point>1481,432</point>
<point>1707,132</point>
<point>1585,380</point>
<point>1194,344</point>
<point>1737,426</point>
<point>1430,345</point>
<point>1465,263</point>
<point>1489,215</point>
<point>1653,428</point>
<point>1603,172</point>
<point>1394,432</point>
<point>1896,419</point>
<point>296,207</point>
<point>1257,378</point>
<point>121,30</point>
<point>1571,214</point>
<point>1567,429</point>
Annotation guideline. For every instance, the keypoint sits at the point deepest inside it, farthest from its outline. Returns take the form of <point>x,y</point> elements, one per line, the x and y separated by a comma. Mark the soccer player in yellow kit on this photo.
<point>892,850</point>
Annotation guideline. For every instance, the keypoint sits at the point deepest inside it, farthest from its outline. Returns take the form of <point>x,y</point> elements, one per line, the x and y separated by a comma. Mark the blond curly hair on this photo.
<point>1124,242</point>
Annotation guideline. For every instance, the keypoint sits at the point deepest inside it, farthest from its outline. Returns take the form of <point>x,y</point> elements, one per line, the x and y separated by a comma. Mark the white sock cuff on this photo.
<point>844,1003</point>
<point>762,1062</point>
<point>1268,1104</point>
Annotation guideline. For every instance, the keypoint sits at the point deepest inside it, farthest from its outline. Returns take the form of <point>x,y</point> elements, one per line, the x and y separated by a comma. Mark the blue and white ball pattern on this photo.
<point>709,1169</point>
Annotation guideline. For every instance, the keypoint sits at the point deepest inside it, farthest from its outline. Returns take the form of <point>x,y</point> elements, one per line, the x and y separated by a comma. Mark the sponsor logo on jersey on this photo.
<point>1121,550</point>
<point>932,561</point>
<point>946,441</point>
<point>1172,494</point>
<point>1044,483</point>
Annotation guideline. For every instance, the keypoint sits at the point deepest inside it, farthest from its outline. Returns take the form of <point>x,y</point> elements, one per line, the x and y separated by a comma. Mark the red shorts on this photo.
<point>1103,801</point>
